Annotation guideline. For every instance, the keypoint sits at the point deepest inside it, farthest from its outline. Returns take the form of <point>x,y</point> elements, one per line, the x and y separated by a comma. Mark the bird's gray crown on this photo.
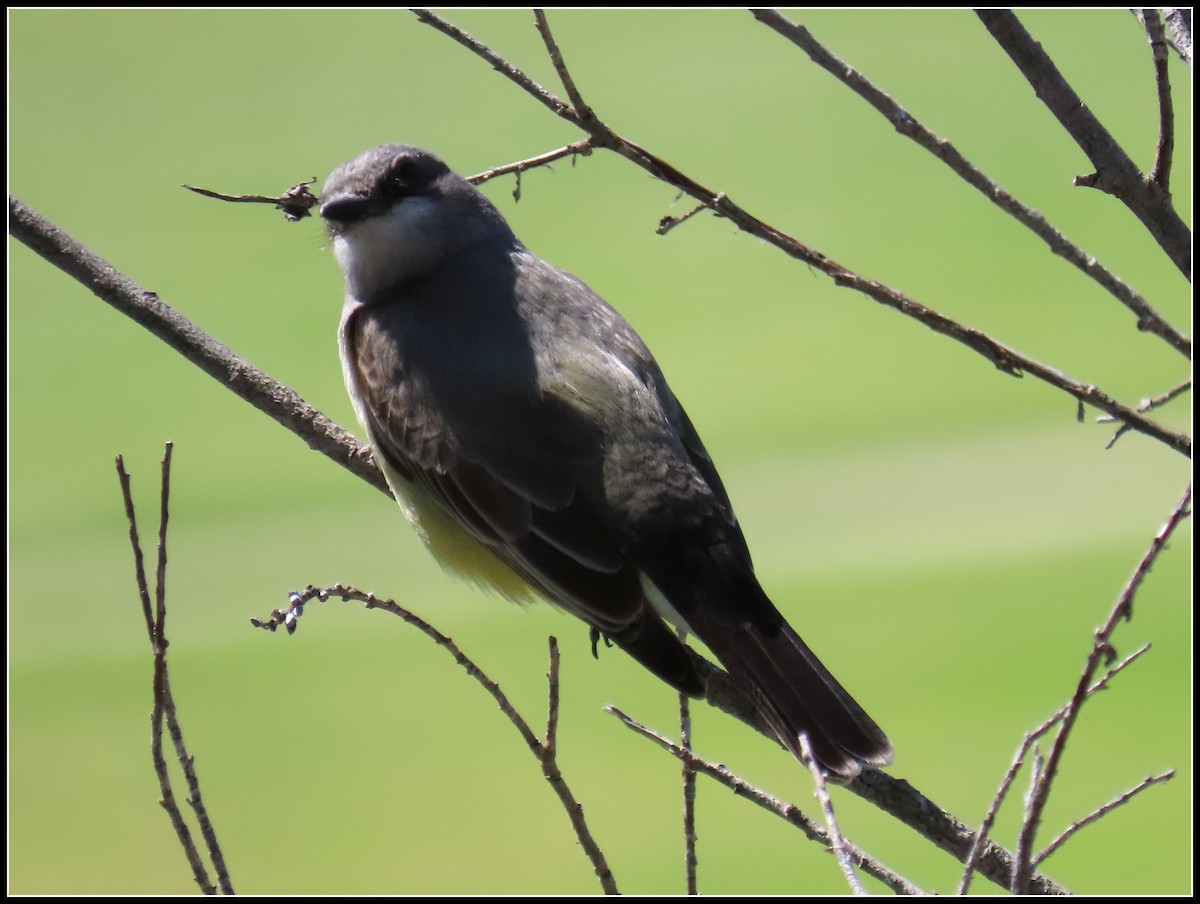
<point>377,179</point>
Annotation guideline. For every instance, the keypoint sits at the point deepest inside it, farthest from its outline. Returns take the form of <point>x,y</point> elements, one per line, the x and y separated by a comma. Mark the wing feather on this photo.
<point>521,499</point>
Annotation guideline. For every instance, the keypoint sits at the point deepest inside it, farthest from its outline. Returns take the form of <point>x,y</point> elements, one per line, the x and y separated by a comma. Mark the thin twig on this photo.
<point>666,224</point>
<point>1156,402</point>
<point>1161,174</point>
<point>550,745</point>
<point>1099,812</point>
<point>296,203</point>
<point>1005,358</point>
<point>837,844</point>
<point>1101,649</point>
<point>139,561</point>
<point>582,110</point>
<point>1018,761</point>
<point>892,795</point>
<point>689,788</point>
<point>581,148</point>
<point>545,752</point>
<point>1145,405</point>
<point>186,762</point>
<point>164,706</point>
<point>789,812</point>
<point>1148,319</point>
<point>160,578</point>
<point>556,105</point>
<point>1124,606</point>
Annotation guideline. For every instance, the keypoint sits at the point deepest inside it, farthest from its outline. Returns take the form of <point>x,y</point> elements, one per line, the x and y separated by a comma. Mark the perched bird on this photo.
<point>534,444</point>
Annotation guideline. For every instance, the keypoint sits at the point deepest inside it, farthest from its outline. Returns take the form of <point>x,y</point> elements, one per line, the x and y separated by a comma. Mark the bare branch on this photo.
<point>1115,173</point>
<point>581,148</point>
<point>164,704</point>
<point>552,700</point>
<point>948,832</point>
<point>1161,173</point>
<point>582,110</point>
<point>1146,405</point>
<point>689,788</point>
<point>1149,320</point>
<point>1002,356</point>
<point>556,105</point>
<point>296,203</point>
<point>1124,606</point>
<point>1179,23</point>
<point>666,224</point>
<point>1018,761</point>
<point>139,562</point>
<point>789,812</point>
<point>545,753</point>
<point>837,844</point>
<point>1099,812</point>
<point>215,359</point>
<point>160,578</point>
<point>1101,649</point>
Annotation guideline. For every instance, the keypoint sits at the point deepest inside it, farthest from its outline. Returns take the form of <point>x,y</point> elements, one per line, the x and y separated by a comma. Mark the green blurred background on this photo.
<point>945,536</point>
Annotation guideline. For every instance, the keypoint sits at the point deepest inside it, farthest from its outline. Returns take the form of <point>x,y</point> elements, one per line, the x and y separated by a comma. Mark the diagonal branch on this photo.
<point>555,104</point>
<point>1019,760</point>
<point>1115,173</point>
<point>546,752</point>
<point>1100,812</point>
<point>1161,174</point>
<point>1101,649</point>
<point>197,346</point>
<point>1002,356</point>
<point>582,110</point>
<point>1149,320</point>
<point>576,148</point>
<point>789,812</point>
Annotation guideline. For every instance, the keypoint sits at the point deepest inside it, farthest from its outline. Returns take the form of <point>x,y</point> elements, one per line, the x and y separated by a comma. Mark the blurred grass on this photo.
<point>946,537</point>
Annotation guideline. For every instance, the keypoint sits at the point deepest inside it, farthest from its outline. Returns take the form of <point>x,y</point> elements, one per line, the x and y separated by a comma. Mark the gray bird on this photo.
<point>532,441</point>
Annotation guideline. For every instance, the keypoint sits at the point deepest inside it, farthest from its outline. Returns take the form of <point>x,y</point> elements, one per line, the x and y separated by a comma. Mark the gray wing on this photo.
<point>521,475</point>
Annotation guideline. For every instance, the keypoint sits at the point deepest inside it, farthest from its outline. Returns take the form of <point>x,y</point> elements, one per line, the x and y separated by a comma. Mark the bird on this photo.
<point>532,441</point>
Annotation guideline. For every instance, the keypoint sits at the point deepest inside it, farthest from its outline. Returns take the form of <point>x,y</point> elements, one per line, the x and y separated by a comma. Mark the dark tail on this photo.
<point>794,691</point>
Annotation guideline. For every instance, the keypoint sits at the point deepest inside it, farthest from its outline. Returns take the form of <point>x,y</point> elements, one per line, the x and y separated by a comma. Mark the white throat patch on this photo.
<point>380,251</point>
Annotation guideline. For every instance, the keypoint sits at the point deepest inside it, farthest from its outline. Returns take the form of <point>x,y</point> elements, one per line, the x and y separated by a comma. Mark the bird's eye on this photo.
<point>400,176</point>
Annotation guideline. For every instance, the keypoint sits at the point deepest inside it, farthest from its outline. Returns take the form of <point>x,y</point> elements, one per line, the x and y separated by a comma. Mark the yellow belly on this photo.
<point>454,548</point>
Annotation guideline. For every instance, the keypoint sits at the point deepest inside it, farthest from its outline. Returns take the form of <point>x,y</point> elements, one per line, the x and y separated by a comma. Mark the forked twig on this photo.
<point>544,751</point>
<point>164,703</point>
<point>1018,761</point>
<point>1102,649</point>
<point>788,812</point>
